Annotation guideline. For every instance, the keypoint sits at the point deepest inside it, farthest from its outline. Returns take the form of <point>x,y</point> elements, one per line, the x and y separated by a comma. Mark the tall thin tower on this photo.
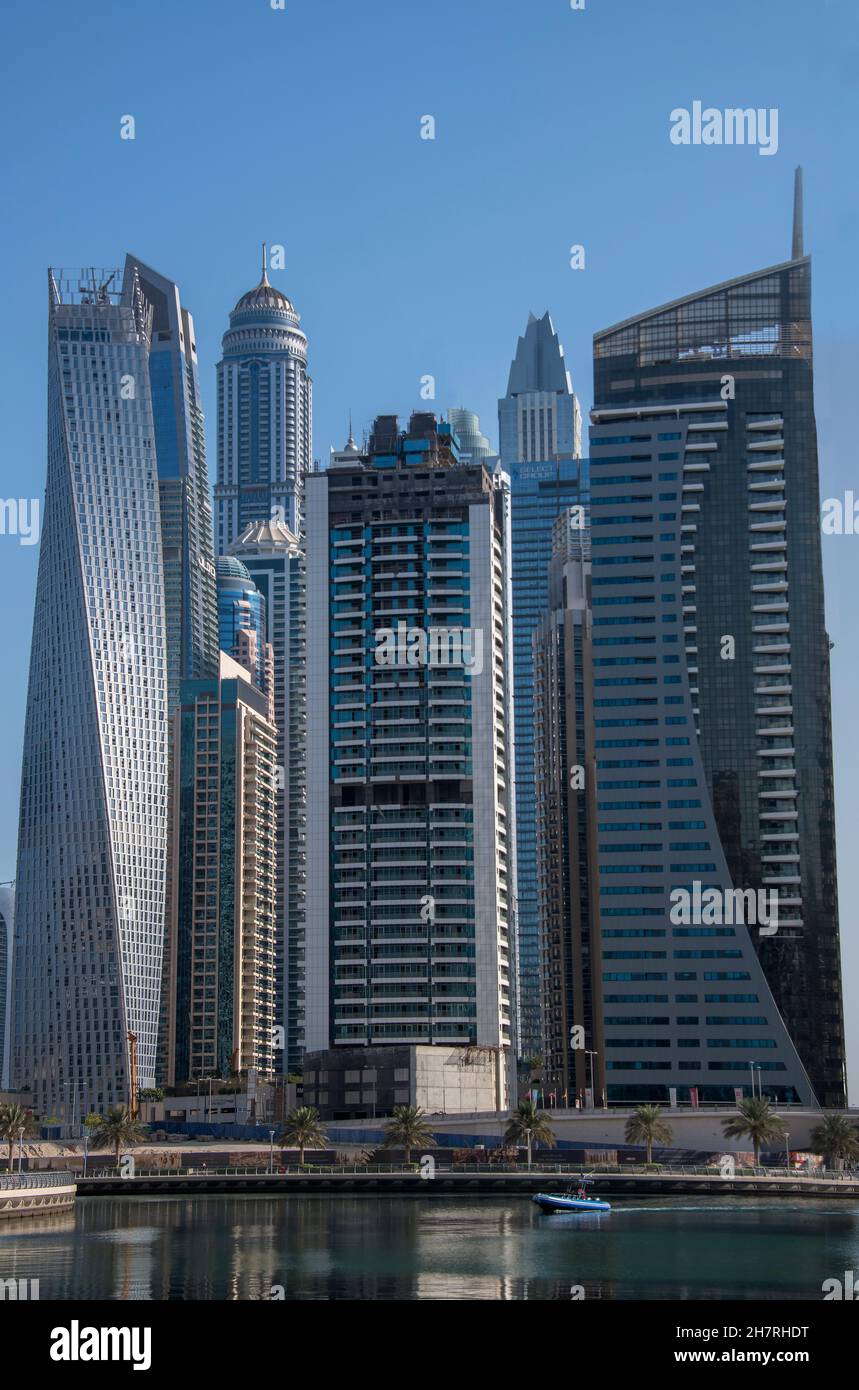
<point>93,821</point>
<point>183,485</point>
<point>265,420</point>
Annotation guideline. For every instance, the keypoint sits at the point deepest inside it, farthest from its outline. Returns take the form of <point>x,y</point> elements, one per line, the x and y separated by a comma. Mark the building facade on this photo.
<point>93,824</point>
<point>573,1046</point>
<point>187,544</point>
<point>705,413</point>
<point>7,936</point>
<point>265,415</point>
<point>221,1013</point>
<point>474,447</point>
<point>241,610</point>
<point>410,925</point>
<point>539,423</point>
<point>273,558</point>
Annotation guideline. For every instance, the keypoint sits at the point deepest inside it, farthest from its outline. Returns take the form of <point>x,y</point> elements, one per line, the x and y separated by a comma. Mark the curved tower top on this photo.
<point>264,413</point>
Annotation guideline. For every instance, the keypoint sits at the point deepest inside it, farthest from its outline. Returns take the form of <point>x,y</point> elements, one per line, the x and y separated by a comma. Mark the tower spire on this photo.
<point>264,277</point>
<point>796,248</point>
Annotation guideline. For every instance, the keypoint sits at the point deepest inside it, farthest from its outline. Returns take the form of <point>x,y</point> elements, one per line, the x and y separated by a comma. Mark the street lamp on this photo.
<point>86,1150</point>
<point>787,1149</point>
<point>271,1151</point>
<point>21,1149</point>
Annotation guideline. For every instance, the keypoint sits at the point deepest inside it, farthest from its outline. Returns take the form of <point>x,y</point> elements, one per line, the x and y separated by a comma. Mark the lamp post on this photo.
<point>787,1149</point>
<point>86,1150</point>
<point>21,1149</point>
<point>271,1151</point>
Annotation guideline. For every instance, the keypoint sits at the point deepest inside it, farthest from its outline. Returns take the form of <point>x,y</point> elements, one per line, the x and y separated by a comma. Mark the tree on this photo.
<point>303,1130</point>
<point>408,1130</point>
<point>755,1120</point>
<point>13,1119</point>
<point>116,1129</point>
<point>837,1139</point>
<point>646,1126</point>
<point>530,1125</point>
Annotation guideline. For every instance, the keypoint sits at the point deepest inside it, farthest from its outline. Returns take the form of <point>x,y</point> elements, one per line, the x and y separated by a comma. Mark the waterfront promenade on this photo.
<point>23,1193</point>
<point>434,1179</point>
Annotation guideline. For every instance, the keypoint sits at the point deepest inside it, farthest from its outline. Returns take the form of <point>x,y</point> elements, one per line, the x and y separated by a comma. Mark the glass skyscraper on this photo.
<point>183,484</point>
<point>241,608</point>
<point>540,445</point>
<point>265,424</point>
<point>713,706</point>
<point>93,819</point>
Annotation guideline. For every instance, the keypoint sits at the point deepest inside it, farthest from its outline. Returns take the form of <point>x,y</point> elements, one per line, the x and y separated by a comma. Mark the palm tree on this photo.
<point>303,1130</point>
<point>408,1130</point>
<point>530,1124</point>
<point>837,1139</point>
<point>13,1119</point>
<point>755,1120</point>
<point>646,1126</point>
<point>117,1128</point>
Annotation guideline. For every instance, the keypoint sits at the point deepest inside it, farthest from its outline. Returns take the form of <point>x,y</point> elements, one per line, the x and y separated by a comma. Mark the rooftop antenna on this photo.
<point>796,249</point>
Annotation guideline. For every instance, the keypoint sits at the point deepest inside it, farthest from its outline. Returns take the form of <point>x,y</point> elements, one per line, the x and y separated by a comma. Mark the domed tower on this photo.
<point>264,414</point>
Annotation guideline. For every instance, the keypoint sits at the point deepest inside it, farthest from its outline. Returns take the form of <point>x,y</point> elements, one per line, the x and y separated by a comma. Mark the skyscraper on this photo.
<point>183,484</point>
<point>539,423</point>
<point>265,419</point>
<point>221,943</point>
<point>573,1047</point>
<point>93,822</point>
<point>409,849</point>
<point>7,934</point>
<point>241,608</point>
<point>705,489</point>
<point>473,445</point>
<point>271,555</point>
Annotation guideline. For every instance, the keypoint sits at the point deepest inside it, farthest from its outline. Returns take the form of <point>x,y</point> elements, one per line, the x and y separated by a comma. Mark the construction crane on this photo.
<point>132,1039</point>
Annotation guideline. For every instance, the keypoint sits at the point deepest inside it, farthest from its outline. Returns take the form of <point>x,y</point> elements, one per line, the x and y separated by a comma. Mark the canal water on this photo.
<point>356,1247</point>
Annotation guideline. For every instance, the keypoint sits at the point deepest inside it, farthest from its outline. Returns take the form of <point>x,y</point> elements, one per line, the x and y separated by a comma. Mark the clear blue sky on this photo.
<point>408,257</point>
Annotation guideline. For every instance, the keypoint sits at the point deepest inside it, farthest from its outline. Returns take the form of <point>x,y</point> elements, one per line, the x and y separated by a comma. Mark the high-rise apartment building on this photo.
<point>93,822</point>
<point>220,974</point>
<point>265,419</point>
<point>410,854</point>
<point>539,423</point>
<point>271,555</point>
<point>712,697</point>
<point>573,1047</point>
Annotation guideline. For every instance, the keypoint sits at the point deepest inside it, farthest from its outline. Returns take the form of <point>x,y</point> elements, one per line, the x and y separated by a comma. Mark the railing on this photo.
<point>657,1170</point>
<point>47,1179</point>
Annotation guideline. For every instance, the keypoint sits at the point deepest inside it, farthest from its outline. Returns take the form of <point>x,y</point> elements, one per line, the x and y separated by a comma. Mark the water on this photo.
<point>355,1247</point>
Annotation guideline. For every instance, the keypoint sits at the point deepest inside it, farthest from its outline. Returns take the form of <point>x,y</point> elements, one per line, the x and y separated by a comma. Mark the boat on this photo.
<point>574,1199</point>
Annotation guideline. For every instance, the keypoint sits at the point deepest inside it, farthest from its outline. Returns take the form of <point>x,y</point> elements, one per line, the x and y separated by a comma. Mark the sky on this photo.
<point>409,257</point>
